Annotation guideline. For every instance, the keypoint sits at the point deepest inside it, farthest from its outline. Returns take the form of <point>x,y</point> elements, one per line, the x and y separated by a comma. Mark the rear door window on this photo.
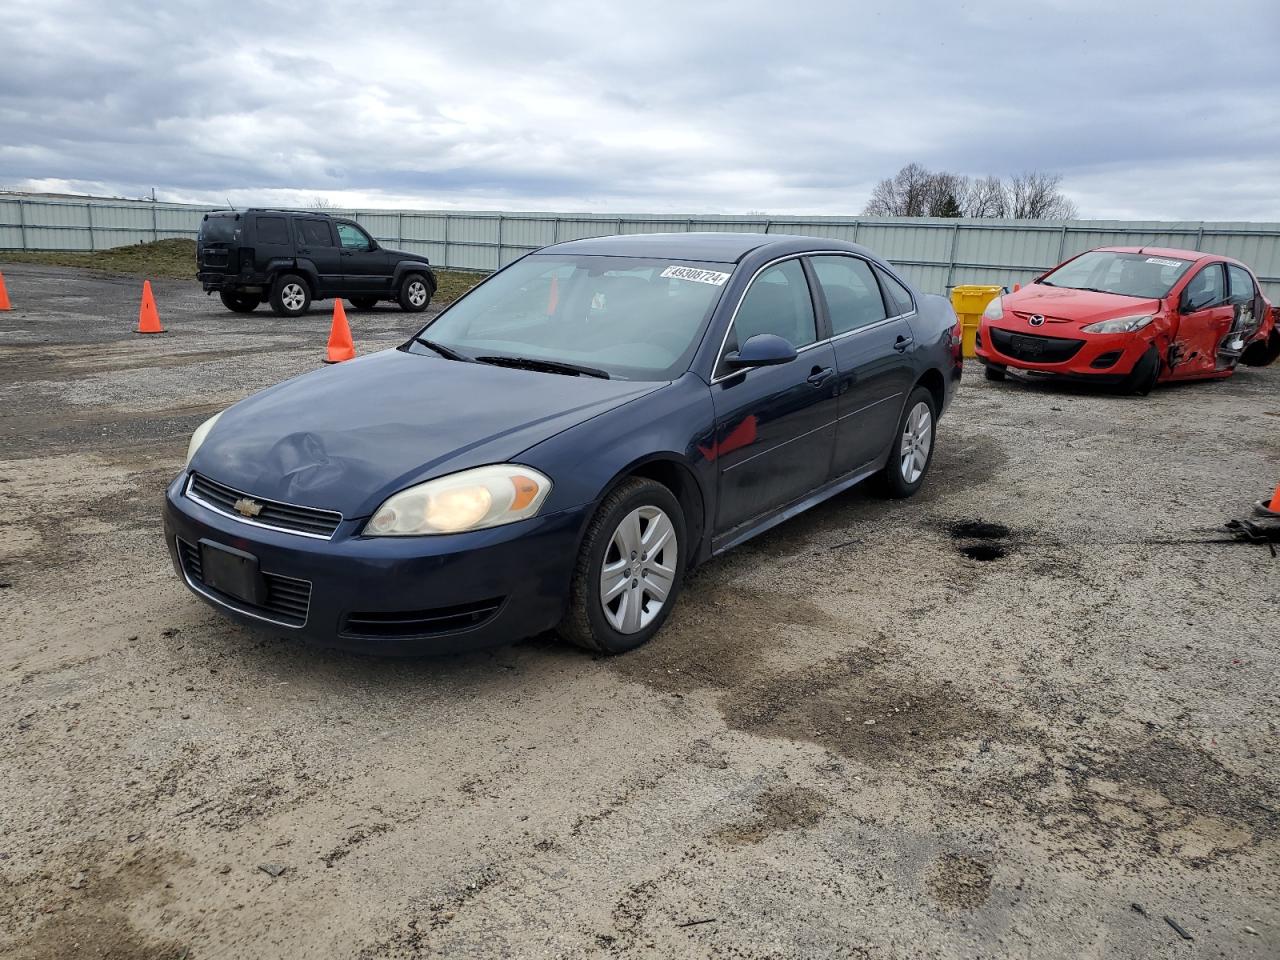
<point>1242,289</point>
<point>220,228</point>
<point>853,296</point>
<point>315,233</point>
<point>273,230</point>
<point>898,296</point>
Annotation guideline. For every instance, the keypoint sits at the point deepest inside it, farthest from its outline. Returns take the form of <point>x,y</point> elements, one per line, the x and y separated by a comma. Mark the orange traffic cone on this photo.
<point>1274,505</point>
<point>1017,287</point>
<point>340,346</point>
<point>148,315</point>
<point>4,296</point>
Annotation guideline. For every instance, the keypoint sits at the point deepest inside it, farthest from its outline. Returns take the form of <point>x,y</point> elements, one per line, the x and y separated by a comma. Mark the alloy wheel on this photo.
<point>917,438</point>
<point>293,296</point>
<point>639,569</point>
<point>417,293</point>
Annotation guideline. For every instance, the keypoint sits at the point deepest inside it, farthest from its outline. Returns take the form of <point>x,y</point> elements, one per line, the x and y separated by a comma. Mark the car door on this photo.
<point>775,426</point>
<point>316,243</point>
<point>868,312</point>
<point>1205,315</point>
<point>365,266</point>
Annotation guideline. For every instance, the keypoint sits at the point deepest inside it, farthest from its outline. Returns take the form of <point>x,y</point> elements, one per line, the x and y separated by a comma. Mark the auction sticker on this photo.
<point>713,277</point>
<point>1164,262</point>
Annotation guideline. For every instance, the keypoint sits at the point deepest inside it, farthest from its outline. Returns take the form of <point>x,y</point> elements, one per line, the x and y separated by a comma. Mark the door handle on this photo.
<point>346,253</point>
<point>820,375</point>
<point>902,343</point>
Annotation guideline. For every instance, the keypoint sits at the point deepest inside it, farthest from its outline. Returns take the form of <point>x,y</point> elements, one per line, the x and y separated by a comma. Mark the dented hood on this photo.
<point>1062,305</point>
<point>347,436</point>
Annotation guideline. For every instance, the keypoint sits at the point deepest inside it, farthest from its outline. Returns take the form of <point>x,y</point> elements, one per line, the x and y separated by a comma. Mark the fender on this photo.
<point>301,266</point>
<point>413,266</point>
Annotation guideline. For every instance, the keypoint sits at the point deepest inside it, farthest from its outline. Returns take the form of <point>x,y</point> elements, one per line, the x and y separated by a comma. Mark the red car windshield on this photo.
<point>1148,276</point>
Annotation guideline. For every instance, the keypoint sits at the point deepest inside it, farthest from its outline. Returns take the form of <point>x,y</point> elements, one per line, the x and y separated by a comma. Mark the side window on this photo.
<point>899,297</point>
<point>272,230</point>
<point>1242,290</point>
<point>315,233</point>
<point>352,237</point>
<point>777,302</point>
<point>1205,288</point>
<point>853,296</point>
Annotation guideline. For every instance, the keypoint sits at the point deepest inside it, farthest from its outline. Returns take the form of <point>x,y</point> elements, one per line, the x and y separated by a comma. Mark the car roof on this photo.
<point>710,246</point>
<point>1192,255</point>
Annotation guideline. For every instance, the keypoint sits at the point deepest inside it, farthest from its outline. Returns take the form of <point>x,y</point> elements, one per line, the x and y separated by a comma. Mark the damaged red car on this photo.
<point>1132,317</point>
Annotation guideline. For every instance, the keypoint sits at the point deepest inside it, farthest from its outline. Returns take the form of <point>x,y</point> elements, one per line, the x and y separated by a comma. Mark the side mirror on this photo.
<point>762,350</point>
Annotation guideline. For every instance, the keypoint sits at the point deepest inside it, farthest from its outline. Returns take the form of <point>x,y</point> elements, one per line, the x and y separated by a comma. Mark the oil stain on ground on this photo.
<point>959,882</point>
<point>776,810</point>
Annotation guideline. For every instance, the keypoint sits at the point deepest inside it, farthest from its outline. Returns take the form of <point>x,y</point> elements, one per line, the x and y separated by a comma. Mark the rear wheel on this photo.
<point>912,450</point>
<point>290,295</point>
<point>363,303</point>
<point>415,293</point>
<point>239,302</point>
<point>629,569</point>
<point>993,373</point>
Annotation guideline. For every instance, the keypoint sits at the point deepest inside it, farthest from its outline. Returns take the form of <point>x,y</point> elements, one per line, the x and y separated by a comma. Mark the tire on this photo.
<point>917,427</point>
<point>631,618</point>
<point>415,293</point>
<point>1145,373</point>
<point>363,303</point>
<point>239,302</point>
<point>994,374</point>
<point>290,295</point>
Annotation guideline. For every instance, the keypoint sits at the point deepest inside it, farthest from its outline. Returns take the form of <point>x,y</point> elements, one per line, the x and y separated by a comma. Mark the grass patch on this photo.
<point>176,260</point>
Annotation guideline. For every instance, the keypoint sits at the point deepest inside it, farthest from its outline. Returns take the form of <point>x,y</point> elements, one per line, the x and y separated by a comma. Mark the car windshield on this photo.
<point>1148,276</point>
<point>632,318</point>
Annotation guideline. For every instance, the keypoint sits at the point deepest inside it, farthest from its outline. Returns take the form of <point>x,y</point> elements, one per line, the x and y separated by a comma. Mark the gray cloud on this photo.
<point>1149,111</point>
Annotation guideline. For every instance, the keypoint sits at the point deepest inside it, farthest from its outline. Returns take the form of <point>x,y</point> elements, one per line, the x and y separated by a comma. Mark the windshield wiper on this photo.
<point>1047,283</point>
<point>447,352</point>
<point>549,366</point>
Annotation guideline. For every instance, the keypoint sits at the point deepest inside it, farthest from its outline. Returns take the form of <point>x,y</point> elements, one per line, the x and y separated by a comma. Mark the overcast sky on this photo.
<point>1148,110</point>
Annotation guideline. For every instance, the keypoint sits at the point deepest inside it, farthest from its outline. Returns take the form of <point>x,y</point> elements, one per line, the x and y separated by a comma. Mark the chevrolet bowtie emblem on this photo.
<point>246,507</point>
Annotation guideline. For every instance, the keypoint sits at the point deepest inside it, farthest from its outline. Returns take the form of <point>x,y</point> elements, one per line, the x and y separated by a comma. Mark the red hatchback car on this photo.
<point>1133,317</point>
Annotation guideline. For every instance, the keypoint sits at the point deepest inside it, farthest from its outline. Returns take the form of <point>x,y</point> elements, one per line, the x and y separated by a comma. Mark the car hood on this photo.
<point>347,436</point>
<point>1062,305</point>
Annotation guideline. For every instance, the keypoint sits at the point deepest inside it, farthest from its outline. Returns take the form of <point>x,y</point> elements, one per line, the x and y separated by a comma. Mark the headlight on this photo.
<point>198,437</point>
<point>1120,324</point>
<point>470,500</point>
<point>995,309</point>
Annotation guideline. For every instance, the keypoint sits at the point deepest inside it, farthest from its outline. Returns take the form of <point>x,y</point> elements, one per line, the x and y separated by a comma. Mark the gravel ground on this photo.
<point>881,730</point>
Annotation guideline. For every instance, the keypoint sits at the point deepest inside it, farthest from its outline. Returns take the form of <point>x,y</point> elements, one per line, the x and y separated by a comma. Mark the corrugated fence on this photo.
<point>935,254</point>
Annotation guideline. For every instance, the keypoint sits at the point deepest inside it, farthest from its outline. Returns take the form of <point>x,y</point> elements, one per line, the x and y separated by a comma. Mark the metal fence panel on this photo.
<point>935,254</point>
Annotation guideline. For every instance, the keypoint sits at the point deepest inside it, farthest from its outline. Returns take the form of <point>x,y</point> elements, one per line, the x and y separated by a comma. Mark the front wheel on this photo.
<point>994,374</point>
<point>912,450</point>
<point>629,569</point>
<point>1145,373</point>
<point>239,302</point>
<point>414,293</point>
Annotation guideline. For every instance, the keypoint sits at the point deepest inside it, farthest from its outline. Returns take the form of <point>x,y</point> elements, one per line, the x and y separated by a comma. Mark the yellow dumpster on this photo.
<point>968,301</point>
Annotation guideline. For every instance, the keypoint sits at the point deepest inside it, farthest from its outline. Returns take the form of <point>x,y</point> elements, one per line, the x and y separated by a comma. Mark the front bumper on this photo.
<point>405,596</point>
<point>1099,358</point>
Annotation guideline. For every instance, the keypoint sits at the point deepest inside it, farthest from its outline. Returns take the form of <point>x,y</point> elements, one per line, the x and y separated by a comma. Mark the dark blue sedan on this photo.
<point>560,446</point>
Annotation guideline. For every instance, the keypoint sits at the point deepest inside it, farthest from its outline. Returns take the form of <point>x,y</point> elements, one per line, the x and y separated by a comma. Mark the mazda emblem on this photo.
<point>1036,320</point>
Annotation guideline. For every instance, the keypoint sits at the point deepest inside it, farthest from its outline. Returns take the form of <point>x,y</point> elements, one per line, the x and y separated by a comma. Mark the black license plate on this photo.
<point>1029,346</point>
<point>232,572</point>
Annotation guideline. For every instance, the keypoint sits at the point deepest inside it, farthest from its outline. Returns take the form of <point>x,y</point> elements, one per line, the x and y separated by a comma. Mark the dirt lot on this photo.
<point>855,739</point>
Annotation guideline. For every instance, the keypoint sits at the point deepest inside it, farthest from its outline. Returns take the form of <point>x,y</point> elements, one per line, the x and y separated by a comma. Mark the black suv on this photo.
<point>291,258</point>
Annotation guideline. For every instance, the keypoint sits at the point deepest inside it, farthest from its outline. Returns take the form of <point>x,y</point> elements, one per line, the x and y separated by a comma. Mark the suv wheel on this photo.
<point>239,302</point>
<point>363,303</point>
<point>415,293</point>
<point>912,450</point>
<point>290,295</point>
<point>629,569</point>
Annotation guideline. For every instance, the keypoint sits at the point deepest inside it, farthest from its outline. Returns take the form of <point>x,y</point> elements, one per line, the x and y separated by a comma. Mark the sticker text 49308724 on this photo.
<point>713,277</point>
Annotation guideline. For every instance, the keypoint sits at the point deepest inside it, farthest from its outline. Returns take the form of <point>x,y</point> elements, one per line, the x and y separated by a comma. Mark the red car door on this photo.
<point>1205,315</point>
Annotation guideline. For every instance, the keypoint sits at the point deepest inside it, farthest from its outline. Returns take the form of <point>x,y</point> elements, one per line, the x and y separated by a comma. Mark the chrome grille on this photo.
<point>308,521</point>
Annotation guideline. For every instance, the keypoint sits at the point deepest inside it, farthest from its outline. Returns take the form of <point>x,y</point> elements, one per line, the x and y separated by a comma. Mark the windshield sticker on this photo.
<point>713,277</point>
<point>1164,262</point>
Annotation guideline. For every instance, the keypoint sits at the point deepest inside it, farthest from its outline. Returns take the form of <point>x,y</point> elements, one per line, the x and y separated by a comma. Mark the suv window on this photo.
<point>853,297</point>
<point>315,233</point>
<point>220,228</point>
<point>777,302</point>
<point>899,297</point>
<point>272,230</point>
<point>1205,288</point>
<point>352,237</point>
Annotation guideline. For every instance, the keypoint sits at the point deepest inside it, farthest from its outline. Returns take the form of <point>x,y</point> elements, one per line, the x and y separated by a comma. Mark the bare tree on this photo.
<point>320,203</point>
<point>1034,195</point>
<point>915,191</point>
